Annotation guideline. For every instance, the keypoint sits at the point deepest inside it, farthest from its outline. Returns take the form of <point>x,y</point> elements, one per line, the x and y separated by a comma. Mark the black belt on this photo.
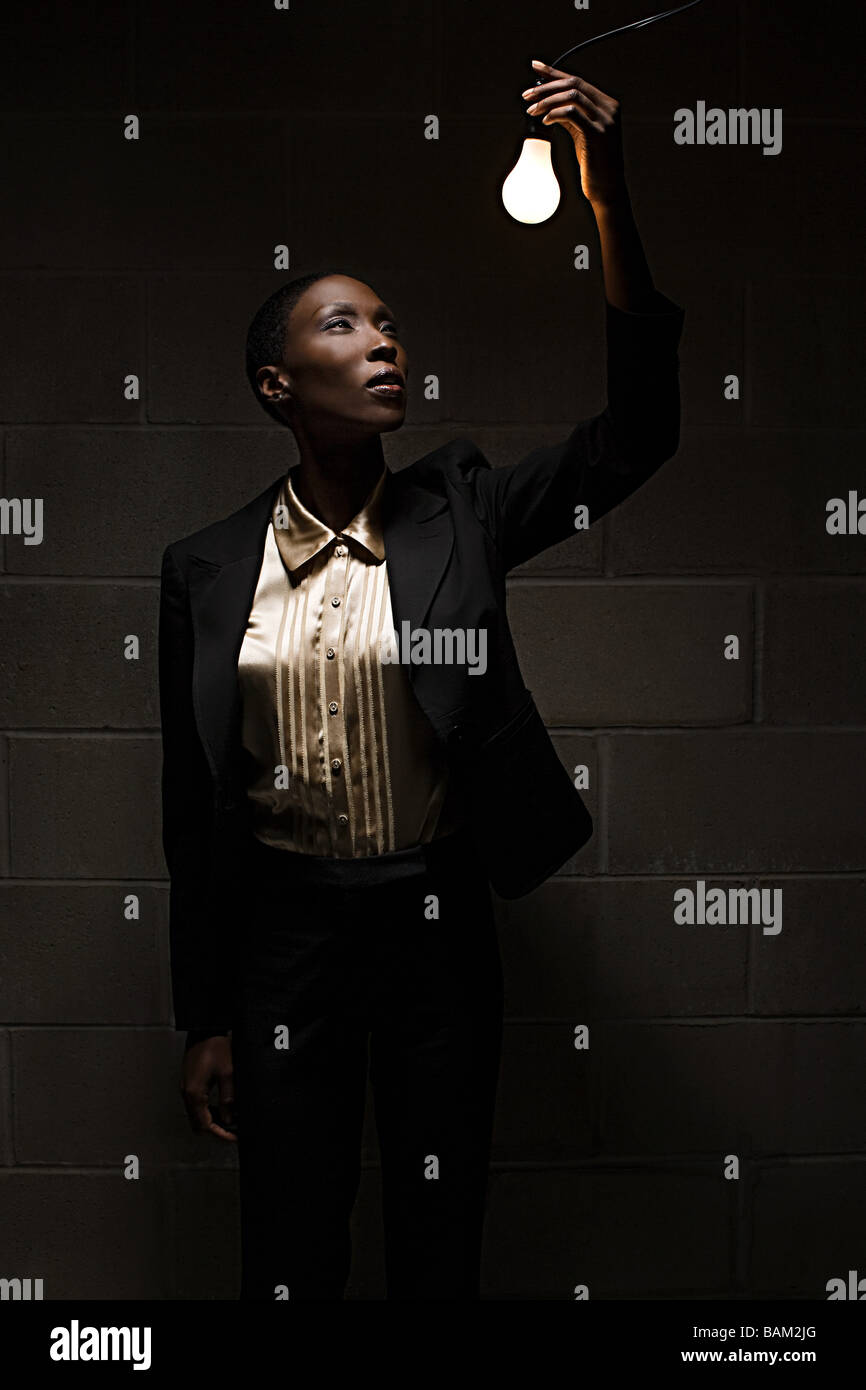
<point>447,850</point>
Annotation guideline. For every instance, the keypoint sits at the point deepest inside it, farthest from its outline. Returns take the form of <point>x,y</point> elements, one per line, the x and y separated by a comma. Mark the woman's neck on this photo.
<point>334,486</point>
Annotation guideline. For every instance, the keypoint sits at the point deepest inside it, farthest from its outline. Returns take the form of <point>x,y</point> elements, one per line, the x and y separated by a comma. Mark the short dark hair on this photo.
<point>266,337</point>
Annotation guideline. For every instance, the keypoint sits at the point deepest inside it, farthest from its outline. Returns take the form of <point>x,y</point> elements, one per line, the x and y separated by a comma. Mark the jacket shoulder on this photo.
<point>455,461</point>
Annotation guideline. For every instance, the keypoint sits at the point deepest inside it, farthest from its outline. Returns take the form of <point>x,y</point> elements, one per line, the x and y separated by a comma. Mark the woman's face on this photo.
<point>339,336</point>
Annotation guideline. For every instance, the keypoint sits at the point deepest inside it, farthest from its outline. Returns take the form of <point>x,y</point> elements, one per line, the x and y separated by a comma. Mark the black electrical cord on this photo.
<point>637,24</point>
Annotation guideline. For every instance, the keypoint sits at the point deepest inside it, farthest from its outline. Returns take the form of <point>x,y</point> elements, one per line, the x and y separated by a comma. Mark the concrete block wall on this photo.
<point>305,126</point>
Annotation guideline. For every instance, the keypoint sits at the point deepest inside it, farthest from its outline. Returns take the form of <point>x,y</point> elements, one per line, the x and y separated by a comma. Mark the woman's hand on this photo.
<point>204,1064</point>
<point>592,119</point>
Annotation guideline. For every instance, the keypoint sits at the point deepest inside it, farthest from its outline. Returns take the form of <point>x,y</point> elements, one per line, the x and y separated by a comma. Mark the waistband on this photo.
<point>439,854</point>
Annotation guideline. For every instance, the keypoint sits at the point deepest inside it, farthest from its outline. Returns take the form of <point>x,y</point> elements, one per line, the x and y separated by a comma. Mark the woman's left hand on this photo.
<point>592,119</point>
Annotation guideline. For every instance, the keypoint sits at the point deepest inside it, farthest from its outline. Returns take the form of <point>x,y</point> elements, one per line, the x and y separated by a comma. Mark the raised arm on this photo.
<point>593,120</point>
<point>530,505</point>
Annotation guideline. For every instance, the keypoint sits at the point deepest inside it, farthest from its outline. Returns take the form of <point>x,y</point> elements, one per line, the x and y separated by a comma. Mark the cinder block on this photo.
<point>745,214</point>
<point>679,1089</point>
<point>740,1088</point>
<point>86,1235</point>
<point>152,486</point>
<point>735,801</point>
<point>86,807</point>
<point>545,1098</point>
<point>814,669</point>
<point>610,949</point>
<point>778,68</point>
<point>808,1226</point>
<point>190,193</point>
<point>821,968</point>
<point>7,1152</point>
<point>69,954</point>
<point>605,654</point>
<point>734,502</point>
<point>62,1117</point>
<point>97,331</point>
<point>804,369</point>
<point>66,644</point>
<point>640,1231</point>
<point>4,808</point>
<point>816,1101</point>
<point>200,58</point>
<point>543,358</point>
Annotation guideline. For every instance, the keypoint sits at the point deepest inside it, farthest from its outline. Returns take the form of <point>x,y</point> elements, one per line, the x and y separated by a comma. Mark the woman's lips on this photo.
<point>386,388</point>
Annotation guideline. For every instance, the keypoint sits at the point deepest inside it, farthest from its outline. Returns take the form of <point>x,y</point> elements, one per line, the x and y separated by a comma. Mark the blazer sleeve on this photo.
<point>529,506</point>
<point>199,967</point>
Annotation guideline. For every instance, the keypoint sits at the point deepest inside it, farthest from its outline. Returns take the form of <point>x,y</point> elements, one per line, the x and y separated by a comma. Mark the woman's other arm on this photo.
<point>198,963</point>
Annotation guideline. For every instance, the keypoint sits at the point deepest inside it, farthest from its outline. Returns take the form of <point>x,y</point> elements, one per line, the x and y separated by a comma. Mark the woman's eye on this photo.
<point>394,329</point>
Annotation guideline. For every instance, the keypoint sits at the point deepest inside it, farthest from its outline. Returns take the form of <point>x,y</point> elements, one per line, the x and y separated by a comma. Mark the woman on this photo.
<point>337,801</point>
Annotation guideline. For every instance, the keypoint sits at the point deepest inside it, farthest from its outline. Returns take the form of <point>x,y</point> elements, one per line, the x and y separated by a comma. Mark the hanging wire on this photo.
<point>637,24</point>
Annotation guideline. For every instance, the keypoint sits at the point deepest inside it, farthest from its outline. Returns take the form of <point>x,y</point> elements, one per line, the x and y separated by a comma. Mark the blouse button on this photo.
<point>336,764</point>
<point>333,707</point>
<point>335,602</point>
<point>343,820</point>
<point>330,653</point>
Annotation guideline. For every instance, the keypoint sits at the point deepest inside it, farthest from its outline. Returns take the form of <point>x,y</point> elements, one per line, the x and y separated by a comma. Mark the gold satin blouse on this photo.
<point>343,761</point>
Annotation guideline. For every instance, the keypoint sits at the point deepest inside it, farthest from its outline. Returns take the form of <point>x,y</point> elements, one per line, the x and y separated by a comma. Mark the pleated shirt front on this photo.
<point>342,760</point>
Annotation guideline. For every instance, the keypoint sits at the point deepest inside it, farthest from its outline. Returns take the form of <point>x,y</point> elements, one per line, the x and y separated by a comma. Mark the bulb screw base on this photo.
<point>534,129</point>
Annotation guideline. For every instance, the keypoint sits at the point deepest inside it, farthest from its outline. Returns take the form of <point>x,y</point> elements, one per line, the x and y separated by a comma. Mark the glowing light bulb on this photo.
<point>531,191</point>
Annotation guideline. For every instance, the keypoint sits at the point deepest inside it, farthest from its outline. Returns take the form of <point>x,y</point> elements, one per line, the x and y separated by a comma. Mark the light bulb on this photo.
<point>531,191</point>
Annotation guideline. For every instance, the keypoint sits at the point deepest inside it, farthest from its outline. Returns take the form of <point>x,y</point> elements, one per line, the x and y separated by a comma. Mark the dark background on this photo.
<point>306,127</point>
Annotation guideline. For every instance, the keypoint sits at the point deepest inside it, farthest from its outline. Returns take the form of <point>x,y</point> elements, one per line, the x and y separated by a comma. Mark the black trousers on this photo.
<point>390,963</point>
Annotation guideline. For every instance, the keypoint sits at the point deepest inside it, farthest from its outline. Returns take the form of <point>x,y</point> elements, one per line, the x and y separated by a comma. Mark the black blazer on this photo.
<point>453,528</point>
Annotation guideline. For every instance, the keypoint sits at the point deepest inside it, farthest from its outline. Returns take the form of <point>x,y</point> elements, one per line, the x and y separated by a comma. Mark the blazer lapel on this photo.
<point>223,574</point>
<point>419,538</point>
